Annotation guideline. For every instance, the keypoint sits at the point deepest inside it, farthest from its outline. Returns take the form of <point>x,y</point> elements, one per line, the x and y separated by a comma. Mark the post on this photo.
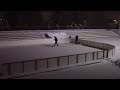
<point>58,61</point>
<point>9,69</point>
<point>36,66</point>
<point>77,58</point>
<point>119,22</point>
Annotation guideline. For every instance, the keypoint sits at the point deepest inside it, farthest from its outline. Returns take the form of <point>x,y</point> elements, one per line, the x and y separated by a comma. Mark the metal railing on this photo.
<point>48,64</point>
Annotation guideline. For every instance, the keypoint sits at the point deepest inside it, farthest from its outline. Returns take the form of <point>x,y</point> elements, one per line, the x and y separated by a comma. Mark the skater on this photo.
<point>56,41</point>
<point>76,39</point>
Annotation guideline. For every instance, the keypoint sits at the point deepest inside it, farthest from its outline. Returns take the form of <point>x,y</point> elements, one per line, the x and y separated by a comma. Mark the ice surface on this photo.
<point>32,52</point>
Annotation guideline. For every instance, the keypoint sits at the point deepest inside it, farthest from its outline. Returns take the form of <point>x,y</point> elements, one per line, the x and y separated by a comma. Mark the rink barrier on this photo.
<point>22,68</point>
<point>109,50</point>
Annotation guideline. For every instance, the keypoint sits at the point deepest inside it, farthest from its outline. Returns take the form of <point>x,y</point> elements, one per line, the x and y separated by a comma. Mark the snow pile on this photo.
<point>58,35</point>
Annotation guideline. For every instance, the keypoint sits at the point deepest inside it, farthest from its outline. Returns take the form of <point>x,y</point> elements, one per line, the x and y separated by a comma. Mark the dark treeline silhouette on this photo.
<point>30,20</point>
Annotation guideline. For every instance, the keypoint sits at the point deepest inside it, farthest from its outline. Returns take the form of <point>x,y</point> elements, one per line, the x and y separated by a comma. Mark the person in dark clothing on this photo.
<point>76,39</point>
<point>56,41</point>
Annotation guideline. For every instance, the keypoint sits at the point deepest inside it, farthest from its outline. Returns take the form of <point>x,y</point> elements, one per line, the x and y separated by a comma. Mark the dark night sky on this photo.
<point>112,14</point>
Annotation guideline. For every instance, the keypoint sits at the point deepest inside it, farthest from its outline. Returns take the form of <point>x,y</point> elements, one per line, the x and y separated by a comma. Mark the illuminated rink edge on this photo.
<point>21,68</point>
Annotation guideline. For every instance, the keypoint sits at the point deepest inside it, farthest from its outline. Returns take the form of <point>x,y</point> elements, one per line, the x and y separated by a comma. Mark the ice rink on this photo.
<point>102,70</point>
